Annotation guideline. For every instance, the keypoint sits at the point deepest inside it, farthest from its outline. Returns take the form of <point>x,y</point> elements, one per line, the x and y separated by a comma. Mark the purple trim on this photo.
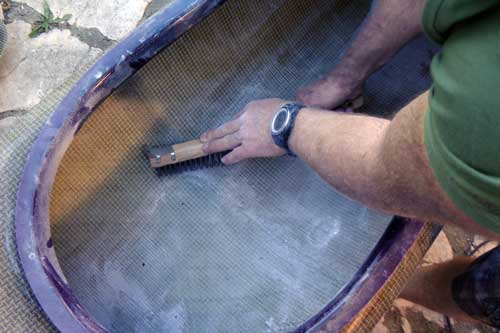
<point>39,260</point>
<point>37,255</point>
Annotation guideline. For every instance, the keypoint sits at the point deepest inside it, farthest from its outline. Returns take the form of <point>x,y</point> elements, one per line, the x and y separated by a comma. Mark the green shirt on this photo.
<point>462,126</point>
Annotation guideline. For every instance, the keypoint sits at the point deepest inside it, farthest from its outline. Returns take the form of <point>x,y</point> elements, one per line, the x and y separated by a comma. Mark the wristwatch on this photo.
<point>282,124</point>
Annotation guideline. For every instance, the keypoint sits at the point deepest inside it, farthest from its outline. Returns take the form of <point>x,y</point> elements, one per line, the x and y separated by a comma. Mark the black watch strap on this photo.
<point>281,139</point>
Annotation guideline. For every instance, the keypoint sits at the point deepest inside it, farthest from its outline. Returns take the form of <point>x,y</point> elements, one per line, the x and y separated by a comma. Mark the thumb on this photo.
<point>238,154</point>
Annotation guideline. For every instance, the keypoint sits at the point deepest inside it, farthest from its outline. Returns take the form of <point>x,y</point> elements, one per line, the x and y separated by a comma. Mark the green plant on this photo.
<point>47,21</point>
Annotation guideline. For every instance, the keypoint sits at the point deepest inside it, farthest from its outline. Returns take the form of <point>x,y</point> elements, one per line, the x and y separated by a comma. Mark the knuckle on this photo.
<point>232,139</point>
<point>211,134</point>
<point>219,131</point>
<point>212,145</point>
<point>233,126</point>
<point>224,142</point>
<point>239,136</point>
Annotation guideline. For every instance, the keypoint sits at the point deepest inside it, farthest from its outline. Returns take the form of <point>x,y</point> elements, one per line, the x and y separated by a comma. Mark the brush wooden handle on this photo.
<point>188,150</point>
<point>165,155</point>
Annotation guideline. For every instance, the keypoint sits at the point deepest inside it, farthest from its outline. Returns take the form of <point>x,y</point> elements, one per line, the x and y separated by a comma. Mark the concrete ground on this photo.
<point>32,67</point>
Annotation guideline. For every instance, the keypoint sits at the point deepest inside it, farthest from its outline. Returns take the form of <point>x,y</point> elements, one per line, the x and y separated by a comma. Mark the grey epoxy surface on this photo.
<point>257,247</point>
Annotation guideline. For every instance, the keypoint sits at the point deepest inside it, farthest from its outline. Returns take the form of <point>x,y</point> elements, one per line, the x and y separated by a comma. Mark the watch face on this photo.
<point>280,120</point>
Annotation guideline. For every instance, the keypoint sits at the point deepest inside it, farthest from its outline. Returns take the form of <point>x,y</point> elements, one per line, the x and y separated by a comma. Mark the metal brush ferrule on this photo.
<point>158,155</point>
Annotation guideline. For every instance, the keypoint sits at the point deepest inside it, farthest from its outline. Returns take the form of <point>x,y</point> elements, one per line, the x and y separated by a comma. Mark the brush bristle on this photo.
<point>208,161</point>
<point>3,37</point>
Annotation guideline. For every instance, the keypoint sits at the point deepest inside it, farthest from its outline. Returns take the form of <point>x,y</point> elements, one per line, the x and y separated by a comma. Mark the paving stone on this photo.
<point>407,317</point>
<point>32,67</point>
<point>440,251</point>
<point>390,323</point>
<point>154,6</point>
<point>115,19</point>
<point>407,308</point>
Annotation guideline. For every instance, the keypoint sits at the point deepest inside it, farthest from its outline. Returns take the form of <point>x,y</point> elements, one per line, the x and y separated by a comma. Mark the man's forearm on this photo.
<point>343,148</point>
<point>378,162</point>
<point>381,163</point>
<point>390,25</point>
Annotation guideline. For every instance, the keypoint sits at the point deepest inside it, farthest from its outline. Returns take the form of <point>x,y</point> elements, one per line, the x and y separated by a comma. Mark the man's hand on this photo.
<point>248,134</point>
<point>391,24</point>
<point>330,92</point>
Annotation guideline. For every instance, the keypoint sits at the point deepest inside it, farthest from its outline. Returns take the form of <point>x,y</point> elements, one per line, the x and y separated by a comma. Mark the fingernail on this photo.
<point>203,137</point>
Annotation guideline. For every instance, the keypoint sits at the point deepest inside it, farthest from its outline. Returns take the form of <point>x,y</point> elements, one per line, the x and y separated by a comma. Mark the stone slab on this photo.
<point>115,19</point>
<point>32,67</point>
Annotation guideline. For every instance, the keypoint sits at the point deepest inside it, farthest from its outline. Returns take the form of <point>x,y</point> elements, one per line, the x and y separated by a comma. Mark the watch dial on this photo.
<point>280,121</point>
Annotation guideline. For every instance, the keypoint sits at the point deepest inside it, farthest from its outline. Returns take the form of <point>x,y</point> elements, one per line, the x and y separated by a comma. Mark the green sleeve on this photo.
<point>441,16</point>
<point>462,125</point>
